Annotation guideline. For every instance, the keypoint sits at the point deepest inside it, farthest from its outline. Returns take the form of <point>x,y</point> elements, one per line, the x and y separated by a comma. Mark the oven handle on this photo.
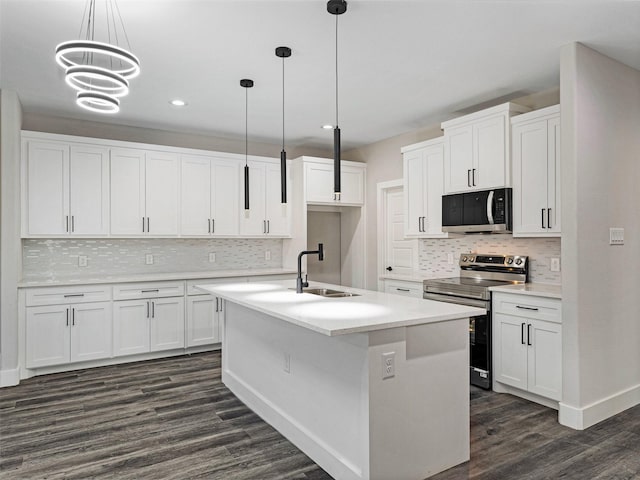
<point>490,207</point>
<point>469,302</point>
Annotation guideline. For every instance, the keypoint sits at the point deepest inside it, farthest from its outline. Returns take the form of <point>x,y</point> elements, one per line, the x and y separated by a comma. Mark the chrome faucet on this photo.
<point>300,284</point>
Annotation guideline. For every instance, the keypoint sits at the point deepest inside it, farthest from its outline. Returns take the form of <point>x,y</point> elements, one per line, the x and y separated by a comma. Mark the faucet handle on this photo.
<point>306,282</point>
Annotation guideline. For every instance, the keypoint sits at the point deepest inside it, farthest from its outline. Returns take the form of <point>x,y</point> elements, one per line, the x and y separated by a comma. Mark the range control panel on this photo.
<point>483,260</point>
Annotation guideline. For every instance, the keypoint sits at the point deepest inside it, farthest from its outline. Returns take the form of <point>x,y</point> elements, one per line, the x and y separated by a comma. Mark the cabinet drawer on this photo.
<point>541,308</point>
<point>191,290</point>
<point>133,291</point>
<point>66,295</point>
<point>398,287</point>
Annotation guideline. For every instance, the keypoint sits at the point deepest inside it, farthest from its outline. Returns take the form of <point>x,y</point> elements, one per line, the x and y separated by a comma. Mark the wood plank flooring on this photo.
<point>174,419</point>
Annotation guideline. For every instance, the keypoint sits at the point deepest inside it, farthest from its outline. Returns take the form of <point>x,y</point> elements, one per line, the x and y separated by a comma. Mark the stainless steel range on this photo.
<point>478,272</point>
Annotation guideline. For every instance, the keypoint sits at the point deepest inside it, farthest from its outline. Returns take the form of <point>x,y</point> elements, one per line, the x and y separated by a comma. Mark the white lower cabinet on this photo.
<point>403,287</point>
<point>167,324</point>
<point>203,323</point>
<point>527,344</point>
<point>59,334</point>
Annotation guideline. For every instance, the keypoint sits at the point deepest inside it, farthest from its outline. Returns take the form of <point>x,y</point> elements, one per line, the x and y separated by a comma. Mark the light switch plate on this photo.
<point>212,257</point>
<point>616,236</point>
<point>82,260</point>
<point>554,264</point>
<point>148,259</point>
<point>267,255</point>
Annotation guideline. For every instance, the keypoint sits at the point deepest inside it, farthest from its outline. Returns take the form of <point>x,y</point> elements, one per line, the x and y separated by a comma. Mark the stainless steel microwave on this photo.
<point>485,211</point>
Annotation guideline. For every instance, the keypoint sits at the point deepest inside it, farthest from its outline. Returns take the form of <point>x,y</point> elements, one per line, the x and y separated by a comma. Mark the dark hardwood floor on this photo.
<point>174,419</point>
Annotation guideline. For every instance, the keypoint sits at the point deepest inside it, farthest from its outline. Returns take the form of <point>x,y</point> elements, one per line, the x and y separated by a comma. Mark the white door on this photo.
<point>91,336</point>
<point>47,188</point>
<point>545,359</point>
<point>400,254</point>
<point>161,187</point>
<point>277,214</point>
<point>195,207</point>
<point>253,221</point>
<point>47,335</point>
<point>510,350</point>
<point>130,327</point>
<point>89,190</point>
<point>225,202</point>
<point>167,323</point>
<point>489,154</point>
<point>127,192</point>
<point>202,320</point>
<point>459,158</point>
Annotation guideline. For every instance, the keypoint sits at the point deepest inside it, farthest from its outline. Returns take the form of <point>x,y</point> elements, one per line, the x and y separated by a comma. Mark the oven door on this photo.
<point>479,338</point>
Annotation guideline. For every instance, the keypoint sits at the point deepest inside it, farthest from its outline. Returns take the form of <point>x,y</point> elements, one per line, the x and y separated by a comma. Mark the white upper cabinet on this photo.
<point>144,192</point>
<point>477,149</point>
<point>266,215</point>
<point>209,201</point>
<point>423,165</point>
<point>319,182</point>
<point>66,189</point>
<point>536,173</point>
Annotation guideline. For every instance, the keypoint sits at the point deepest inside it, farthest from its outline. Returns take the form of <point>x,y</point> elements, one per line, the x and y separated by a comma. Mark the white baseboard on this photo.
<point>580,418</point>
<point>9,378</point>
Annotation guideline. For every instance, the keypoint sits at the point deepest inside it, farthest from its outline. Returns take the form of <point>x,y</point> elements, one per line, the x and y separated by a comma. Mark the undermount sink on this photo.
<point>328,292</point>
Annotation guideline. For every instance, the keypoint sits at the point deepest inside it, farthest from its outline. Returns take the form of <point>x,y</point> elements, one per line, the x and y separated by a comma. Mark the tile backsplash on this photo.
<point>48,258</point>
<point>434,263</point>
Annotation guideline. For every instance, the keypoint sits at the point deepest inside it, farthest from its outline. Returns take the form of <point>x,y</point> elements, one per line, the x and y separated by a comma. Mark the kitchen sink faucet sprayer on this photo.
<point>302,284</point>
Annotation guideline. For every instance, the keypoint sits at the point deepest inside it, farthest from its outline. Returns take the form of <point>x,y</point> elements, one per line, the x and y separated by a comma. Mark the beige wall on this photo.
<point>600,282</point>
<point>384,163</point>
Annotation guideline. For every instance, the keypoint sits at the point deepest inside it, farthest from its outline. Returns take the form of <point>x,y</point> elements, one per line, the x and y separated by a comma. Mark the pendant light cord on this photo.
<point>246,125</point>
<point>282,103</point>
<point>337,70</point>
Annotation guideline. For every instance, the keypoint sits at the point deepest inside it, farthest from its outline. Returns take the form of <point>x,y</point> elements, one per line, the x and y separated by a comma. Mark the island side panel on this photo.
<point>419,419</point>
<point>321,404</point>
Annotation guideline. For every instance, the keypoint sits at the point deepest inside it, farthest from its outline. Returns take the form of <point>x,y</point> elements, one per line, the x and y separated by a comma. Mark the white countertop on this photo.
<point>152,277</point>
<point>367,312</point>
<point>535,289</point>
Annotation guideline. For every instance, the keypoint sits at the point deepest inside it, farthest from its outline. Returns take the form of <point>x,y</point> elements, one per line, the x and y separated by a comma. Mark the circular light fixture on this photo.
<point>98,102</point>
<point>88,78</point>
<point>74,52</point>
<point>327,127</point>
<point>178,103</point>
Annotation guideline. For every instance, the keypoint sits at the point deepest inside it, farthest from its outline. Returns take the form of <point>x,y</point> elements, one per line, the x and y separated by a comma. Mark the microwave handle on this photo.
<point>490,207</point>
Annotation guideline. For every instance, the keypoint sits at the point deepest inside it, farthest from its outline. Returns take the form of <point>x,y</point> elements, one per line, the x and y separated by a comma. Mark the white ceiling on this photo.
<point>404,65</point>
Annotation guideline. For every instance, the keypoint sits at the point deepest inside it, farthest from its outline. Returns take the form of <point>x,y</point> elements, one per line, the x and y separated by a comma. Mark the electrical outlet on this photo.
<point>148,259</point>
<point>82,260</point>
<point>388,365</point>
<point>287,363</point>
<point>267,255</point>
<point>555,264</point>
<point>212,257</point>
<point>616,236</point>
<point>450,258</point>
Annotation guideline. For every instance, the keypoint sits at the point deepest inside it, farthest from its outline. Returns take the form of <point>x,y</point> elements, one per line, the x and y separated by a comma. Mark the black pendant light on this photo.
<point>336,7</point>
<point>247,84</point>
<point>283,52</point>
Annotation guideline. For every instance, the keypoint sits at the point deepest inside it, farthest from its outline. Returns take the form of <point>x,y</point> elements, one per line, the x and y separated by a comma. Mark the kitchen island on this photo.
<point>370,386</point>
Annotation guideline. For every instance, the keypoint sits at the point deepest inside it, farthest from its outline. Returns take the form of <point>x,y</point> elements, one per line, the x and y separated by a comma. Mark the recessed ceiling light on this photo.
<point>327,127</point>
<point>178,103</point>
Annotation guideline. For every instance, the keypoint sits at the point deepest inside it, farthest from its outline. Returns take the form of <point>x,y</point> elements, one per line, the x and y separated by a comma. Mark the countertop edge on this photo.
<point>546,290</point>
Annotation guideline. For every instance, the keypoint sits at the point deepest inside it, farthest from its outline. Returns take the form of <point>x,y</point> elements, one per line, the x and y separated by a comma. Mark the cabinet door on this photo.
<point>489,162</point>
<point>278,215</point>
<point>202,320</point>
<point>161,187</point>
<point>459,158</point>
<point>554,175</point>
<point>351,184</point>
<point>89,190</point>
<point>225,201</point>
<point>91,336</point>
<point>414,192</point>
<point>434,188</point>
<point>167,323</point>
<point>130,327</point>
<point>127,192</point>
<point>47,335</point>
<point>545,359</point>
<point>510,350</point>
<point>530,173</point>
<point>319,183</point>
<point>47,171</point>
<point>195,207</point>
<point>253,221</point>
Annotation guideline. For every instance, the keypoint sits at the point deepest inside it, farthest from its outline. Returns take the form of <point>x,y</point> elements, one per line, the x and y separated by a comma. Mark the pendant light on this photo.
<point>99,71</point>
<point>336,7</point>
<point>283,52</point>
<point>246,84</point>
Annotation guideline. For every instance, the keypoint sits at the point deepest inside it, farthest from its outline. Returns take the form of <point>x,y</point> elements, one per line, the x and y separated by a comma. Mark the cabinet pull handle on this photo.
<point>522,333</point>
<point>542,217</point>
<point>220,305</point>
<point>209,222</point>
<point>73,316</point>
<point>67,317</point>
<point>213,225</point>
<point>148,225</point>
<point>529,334</point>
<point>67,221</point>
<point>73,295</point>
<point>473,177</point>
<point>403,289</point>
<point>548,218</point>
<point>527,308</point>
<point>142,224</point>
<point>148,308</point>
<point>268,226</point>
<point>153,309</point>
<point>216,304</point>
<point>264,226</point>
<point>468,178</point>
<point>73,223</point>
<point>150,291</point>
